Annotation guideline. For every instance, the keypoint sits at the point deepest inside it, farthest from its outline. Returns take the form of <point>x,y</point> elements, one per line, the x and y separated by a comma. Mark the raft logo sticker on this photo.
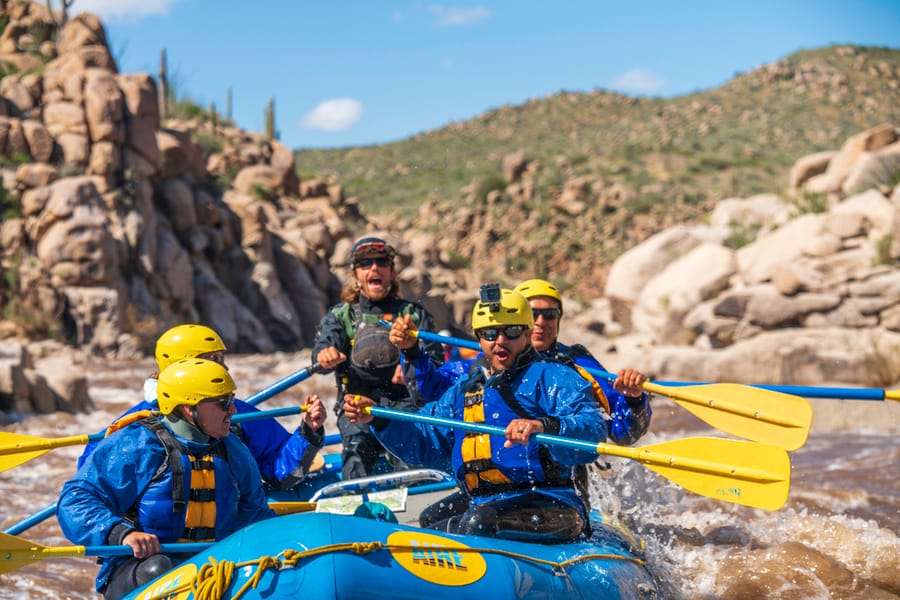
<point>436,559</point>
<point>162,589</point>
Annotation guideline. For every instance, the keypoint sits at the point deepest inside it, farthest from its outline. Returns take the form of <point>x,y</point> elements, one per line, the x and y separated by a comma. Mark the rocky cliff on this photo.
<point>117,224</point>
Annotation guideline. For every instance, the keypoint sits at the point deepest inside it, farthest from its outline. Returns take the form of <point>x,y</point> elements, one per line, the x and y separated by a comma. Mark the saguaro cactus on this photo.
<point>270,119</point>
<point>163,87</point>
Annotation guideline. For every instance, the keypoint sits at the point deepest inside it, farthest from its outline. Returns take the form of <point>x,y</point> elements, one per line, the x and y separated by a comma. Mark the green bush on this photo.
<point>188,109</point>
<point>486,184</point>
<point>261,191</point>
<point>894,179</point>
<point>208,142</point>
<point>10,208</point>
<point>458,261</point>
<point>883,250</point>
<point>741,234</point>
<point>15,159</point>
<point>810,202</point>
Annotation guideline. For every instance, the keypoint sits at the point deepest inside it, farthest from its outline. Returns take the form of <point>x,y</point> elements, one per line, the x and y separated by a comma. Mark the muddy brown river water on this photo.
<point>836,538</point>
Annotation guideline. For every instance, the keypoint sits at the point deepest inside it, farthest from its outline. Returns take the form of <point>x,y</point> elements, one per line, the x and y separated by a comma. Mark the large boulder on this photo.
<point>809,166</point>
<point>697,276</point>
<point>758,260</point>
<point>840,166</point>
<point>637,266</point>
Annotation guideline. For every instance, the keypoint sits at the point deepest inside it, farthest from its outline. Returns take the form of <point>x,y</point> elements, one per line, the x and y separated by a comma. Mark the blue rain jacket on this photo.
<point>543,389</point>
<point>118,479</point>
<point>434,382</point>
<point>283,458</point>
<point>630,418</point>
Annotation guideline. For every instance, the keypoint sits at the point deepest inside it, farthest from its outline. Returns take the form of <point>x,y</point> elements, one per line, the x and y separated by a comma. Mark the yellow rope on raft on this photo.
<point>215,577</point>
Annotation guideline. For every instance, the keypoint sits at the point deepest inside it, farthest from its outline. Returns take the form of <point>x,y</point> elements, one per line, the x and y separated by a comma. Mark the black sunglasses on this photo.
<point>381,261</point>
<point>490,334</point>
<point>550,314</point>
<point>224,403</point>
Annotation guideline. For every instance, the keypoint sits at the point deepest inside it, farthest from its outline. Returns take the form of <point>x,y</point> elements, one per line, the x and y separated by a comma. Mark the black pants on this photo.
<point>133,573</point>
<point>362,450</point>
<point>530,517</point>
<point>449,506</point>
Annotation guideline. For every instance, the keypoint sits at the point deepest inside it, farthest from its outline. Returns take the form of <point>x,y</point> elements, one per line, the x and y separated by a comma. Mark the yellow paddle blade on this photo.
<point>16,552</point>
<point>752,413</point>
<point>747,473</point>
<point>288,508</point>
<point>16,449</point>
<point>892,394</point>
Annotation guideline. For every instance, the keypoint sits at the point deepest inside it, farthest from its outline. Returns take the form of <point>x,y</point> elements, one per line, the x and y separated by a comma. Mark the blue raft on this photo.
<point>320,555</point>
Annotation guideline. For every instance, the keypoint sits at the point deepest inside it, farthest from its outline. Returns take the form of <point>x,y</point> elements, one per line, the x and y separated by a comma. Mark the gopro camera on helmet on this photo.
<point>490,295</point>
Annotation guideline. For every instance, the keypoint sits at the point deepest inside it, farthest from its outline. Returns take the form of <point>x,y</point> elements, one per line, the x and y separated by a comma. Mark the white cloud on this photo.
<point>124,9</point>
<point>639,81</point>
<point>451,16</point>
<point>333,115</point>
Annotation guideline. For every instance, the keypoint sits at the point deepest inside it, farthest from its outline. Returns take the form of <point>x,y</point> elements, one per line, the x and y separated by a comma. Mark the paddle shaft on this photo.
<point>283,384</point>
<point>279,506</point>
<point>808,391</point>
<point>46,444</point>
<point>796,390</point>
<point>644,455</point>
<point>123,550</point>
<point>720,404</point>
<point>16,552</point>
<point>31,520</point>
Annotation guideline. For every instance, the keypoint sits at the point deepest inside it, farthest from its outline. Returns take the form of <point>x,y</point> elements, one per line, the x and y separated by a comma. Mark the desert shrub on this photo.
<point>486,184</point>
<point>741,234</point>
<point>810,202</point>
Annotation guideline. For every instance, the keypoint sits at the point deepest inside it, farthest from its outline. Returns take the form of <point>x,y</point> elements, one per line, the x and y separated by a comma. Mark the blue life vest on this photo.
<point>189,498</point>
<point>482,462</point>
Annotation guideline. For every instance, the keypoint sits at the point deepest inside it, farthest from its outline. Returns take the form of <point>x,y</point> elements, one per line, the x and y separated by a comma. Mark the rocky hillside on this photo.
<point>580,178</point>
<point>811,297</point>
<point>117,223</point>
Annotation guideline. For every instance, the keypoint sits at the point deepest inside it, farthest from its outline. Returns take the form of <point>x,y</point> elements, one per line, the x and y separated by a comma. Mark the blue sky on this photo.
<point>348,73</point>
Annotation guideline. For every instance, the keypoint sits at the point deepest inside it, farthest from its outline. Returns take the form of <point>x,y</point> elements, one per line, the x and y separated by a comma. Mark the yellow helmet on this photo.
<point>539,287</point>
<point>191,380</point>
<point>513,310</point>
<point>186,341</point>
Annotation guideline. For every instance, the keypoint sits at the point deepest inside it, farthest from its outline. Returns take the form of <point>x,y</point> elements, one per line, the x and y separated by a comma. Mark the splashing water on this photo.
<point>835,538</point>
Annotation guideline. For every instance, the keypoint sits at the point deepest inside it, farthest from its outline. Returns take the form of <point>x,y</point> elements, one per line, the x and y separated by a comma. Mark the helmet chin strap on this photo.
<point>194,422</point>
<point>196,419</point>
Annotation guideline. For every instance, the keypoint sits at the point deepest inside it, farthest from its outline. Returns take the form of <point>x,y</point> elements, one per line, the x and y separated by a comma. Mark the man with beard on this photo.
<point>513,487</point>
<point>351,331</point>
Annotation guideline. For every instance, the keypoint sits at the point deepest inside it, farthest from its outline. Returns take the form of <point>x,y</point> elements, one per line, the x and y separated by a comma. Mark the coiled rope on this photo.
<point>214,578</point>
